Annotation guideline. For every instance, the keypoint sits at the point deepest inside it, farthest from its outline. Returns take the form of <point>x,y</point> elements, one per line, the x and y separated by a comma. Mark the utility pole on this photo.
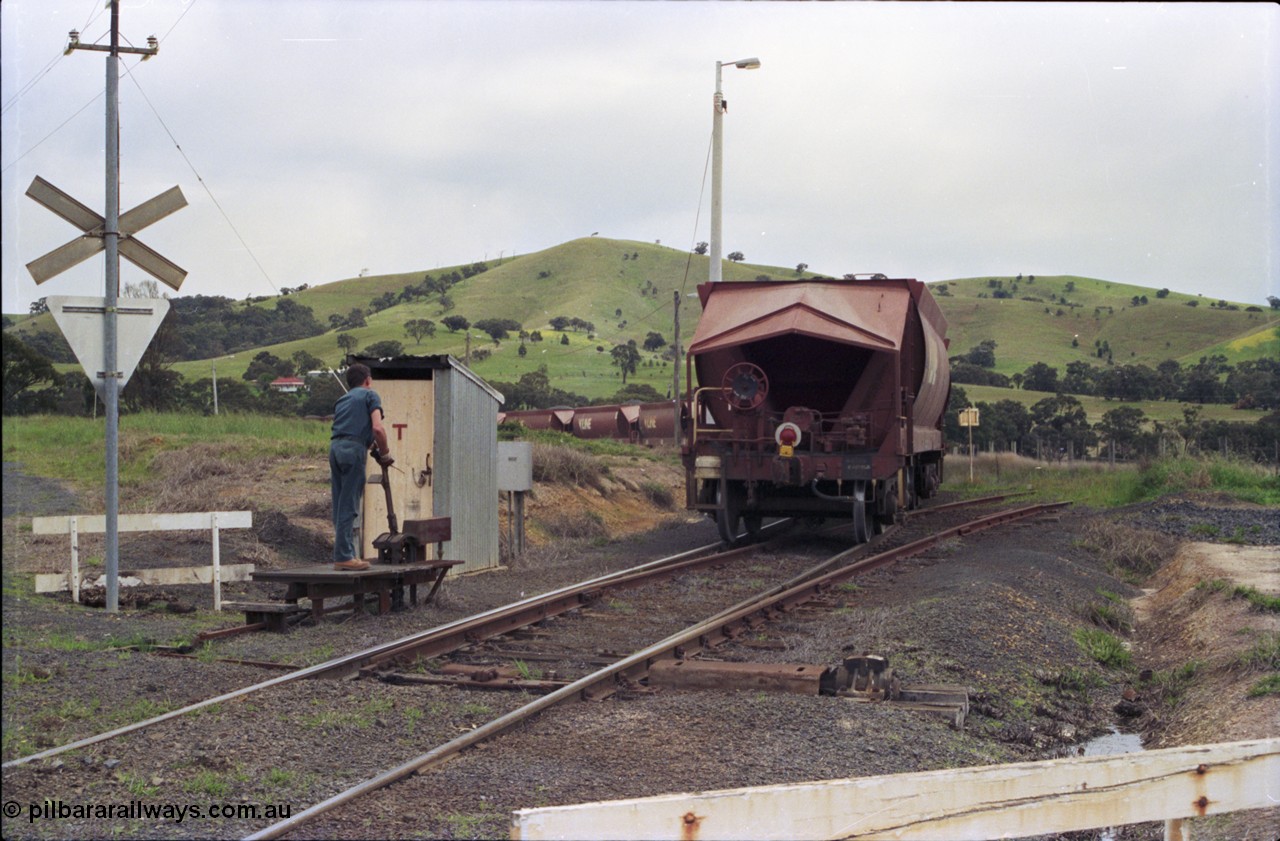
<point>675,389</point>
<point>111,241</point>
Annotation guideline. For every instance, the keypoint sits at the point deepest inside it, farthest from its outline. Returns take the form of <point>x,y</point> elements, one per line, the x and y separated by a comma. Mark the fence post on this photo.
<point>75,560</point>
<point>217,565</point>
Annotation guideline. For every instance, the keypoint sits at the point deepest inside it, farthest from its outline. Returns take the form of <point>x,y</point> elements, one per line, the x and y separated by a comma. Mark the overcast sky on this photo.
<point>316,139</point>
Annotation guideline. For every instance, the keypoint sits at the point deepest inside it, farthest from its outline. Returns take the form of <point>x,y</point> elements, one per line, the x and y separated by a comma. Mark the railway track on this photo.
<point>633,669</point>
<point>630,671</point>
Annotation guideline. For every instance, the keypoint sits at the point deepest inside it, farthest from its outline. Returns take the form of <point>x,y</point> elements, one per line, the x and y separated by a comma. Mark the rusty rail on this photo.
<point>633,667</point>
<point>528,610</point>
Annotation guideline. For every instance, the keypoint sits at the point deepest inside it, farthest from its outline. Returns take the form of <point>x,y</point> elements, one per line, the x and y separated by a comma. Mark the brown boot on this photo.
<point>353,565</point>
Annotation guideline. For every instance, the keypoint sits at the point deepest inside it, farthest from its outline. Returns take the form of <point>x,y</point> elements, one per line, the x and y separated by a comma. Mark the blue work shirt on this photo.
<point>351,414</point>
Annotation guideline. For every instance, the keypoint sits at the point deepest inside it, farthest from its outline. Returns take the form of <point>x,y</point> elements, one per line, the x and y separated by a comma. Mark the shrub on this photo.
<point>566,466</point>
<point>659,494</point>
<point>1103,647</point>
<point>1128,550</point>
<point>573,525</point>
<point>1258,600</point>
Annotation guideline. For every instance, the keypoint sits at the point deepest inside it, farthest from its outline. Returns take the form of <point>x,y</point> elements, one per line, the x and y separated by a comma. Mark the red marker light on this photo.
<point>787,436</point>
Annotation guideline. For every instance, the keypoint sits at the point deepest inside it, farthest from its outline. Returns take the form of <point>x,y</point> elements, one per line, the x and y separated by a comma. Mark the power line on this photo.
<point>697,217</point>
<point>203,184</point>
<point>52,133</point>
<point>40,74</point>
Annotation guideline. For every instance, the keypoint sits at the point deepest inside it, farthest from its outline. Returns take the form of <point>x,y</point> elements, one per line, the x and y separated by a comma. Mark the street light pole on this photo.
<point>717,163</point>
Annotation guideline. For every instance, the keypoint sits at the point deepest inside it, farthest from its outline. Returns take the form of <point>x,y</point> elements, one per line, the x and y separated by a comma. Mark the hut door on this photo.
<point>409,409</point>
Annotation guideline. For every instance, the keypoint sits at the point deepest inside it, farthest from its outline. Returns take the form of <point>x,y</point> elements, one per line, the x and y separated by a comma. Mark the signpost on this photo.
<point>81,320</point>
<point>969,418</point>
<point>85,322</point>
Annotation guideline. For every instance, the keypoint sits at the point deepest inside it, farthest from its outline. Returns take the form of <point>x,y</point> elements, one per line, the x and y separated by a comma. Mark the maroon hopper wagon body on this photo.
<point>815,398</point>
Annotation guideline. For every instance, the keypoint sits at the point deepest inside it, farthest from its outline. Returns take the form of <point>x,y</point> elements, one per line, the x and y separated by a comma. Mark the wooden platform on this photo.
<point>318,582</point>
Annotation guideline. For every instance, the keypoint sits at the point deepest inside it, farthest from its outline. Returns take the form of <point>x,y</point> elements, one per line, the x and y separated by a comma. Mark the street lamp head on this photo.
<point>747,64</point>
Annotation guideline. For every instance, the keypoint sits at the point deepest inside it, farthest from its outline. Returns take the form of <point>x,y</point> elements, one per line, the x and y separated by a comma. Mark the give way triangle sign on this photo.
<point>83,319</point>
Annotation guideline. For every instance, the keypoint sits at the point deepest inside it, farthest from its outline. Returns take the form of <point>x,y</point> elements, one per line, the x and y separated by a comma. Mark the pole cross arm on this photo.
<point>94,227</point>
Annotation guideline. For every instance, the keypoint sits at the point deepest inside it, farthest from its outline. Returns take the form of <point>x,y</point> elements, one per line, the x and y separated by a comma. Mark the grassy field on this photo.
<point>1100,311</point>
<point>73,449</point>
<point>1099,485</point>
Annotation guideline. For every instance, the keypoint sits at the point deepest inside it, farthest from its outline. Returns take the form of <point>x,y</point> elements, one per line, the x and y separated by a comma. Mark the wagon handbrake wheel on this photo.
<point>745,386</point>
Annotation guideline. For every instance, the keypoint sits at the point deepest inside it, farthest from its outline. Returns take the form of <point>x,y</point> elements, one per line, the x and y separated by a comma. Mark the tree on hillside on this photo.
<point>1255,384</point>
<point>626,358</point>
<point>736,257</point>
<point>1201,383</point>
<point>1040,377</point>
<point>1005,423</point>
<point>321,397</point>
<point>701,248</point>
<point>23,368</point>
<point>346,342</point>
<point>1129,382</point>
<point>1274,302</point>
<point>354,319</point>
<point>304,361</point>
<point>384,349</point>
<point>1122,428</point>
<point>382,302</point>
<point>497,328</point>
<point>1169,379</point>
<point>418,328</point>
<point>654,341</point>
<point>634,393</point>
<point>455,323</point>
<point>265,367</point>
<point>1061,424</point>
<point>534,391</point>
<point>1080,378</point>
<point>983,354</point>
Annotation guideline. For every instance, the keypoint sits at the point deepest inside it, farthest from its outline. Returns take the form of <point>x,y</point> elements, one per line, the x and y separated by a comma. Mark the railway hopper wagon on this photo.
<point>815,399</point>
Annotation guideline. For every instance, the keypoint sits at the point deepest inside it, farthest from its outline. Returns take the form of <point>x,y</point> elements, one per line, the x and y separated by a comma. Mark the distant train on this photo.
<point>640,423</point>
<point>815,398</point>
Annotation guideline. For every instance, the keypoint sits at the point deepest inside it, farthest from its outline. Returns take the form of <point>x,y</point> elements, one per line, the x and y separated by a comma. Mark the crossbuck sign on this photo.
<point>93,225</point>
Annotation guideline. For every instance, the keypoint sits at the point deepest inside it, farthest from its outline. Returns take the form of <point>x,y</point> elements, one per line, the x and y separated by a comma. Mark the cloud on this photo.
<point>1124,141</point>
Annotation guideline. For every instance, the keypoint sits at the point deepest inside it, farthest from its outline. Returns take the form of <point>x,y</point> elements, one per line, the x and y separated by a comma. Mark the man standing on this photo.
<point>357,425</point>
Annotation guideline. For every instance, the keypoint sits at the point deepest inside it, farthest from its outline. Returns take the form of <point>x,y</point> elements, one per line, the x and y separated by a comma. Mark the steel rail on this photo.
<point>982,500</point>
<point>639,661</point>
<point>351,663</point>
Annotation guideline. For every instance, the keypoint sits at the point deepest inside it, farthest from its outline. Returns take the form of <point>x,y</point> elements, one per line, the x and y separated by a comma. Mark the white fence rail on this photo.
<point>213,521</point>
<point>994,801</point>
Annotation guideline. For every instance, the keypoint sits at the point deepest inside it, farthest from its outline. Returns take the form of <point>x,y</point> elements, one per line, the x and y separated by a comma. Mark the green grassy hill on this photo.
<point>592,279</point>
<point>1036,325</point>
<point>625,288</point>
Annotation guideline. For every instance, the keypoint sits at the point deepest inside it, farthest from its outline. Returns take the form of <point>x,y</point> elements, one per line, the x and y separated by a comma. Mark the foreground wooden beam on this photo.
<point>994,801</point>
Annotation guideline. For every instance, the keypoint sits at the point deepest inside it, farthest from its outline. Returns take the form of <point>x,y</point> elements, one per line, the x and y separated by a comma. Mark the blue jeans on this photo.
<point>347,458</point>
